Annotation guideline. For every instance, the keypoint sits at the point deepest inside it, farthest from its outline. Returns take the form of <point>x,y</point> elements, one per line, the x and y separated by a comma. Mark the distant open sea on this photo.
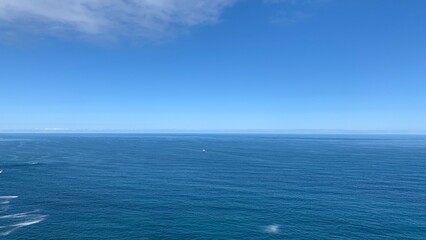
<point>123,186</point>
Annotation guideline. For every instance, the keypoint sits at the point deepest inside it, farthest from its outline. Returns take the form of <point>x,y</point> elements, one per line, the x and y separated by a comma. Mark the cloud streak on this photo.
<point>137,18</point>
<point>293,11</point>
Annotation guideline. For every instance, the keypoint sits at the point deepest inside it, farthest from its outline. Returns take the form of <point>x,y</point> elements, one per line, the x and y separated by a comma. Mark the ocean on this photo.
<point>212,186</point>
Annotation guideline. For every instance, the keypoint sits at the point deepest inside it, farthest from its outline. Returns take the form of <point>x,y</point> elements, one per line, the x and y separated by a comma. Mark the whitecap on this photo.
<point>274,228</point>
<point>18,215</point>
<point>8,197</point>
<point>27,219</point>
<point>27,223</point>
<point>14,221</point>
<point>4,201</point>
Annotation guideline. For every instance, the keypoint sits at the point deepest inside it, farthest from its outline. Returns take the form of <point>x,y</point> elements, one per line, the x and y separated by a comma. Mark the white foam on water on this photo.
<point>5,201</point>
<point>27,223</point>
<point>5,233</point>
<point>18,215</point>
<point>14,221</point>
<point>8,197</point>
<point>28,219</point>
<point>273,229</point>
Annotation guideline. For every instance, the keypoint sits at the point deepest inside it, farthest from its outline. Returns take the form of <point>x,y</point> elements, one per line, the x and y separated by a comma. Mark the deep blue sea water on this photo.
<point>240,187</point>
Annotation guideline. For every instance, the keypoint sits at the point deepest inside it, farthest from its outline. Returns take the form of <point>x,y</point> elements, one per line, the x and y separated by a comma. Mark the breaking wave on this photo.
<point>10,222</point>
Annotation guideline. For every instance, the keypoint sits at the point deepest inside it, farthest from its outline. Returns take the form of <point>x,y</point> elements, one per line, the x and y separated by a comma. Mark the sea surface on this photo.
<point>120,186</point>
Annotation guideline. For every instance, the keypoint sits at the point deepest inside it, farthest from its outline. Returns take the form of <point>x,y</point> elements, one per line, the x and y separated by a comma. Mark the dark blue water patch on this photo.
<point>212,186</point>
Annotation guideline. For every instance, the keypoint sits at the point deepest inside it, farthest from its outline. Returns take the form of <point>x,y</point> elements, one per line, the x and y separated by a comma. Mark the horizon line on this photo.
<point>208,131</point>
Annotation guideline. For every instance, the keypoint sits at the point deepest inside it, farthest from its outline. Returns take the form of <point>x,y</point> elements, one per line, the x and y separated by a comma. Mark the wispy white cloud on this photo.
<point>146,19</point>
<point>294,2</point>
<point>287,17</point>
<point>138,18</point>
<point>53,129</point>
<point>293,11</point>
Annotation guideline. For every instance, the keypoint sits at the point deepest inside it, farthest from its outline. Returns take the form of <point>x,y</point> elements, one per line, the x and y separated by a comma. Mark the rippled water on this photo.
<point>212,187</point>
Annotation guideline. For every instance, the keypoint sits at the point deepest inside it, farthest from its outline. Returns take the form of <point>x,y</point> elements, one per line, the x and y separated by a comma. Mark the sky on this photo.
<point>212,65</point>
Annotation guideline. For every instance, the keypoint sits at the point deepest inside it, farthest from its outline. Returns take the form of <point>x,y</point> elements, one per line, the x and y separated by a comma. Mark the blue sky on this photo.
<point>210,65</point>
